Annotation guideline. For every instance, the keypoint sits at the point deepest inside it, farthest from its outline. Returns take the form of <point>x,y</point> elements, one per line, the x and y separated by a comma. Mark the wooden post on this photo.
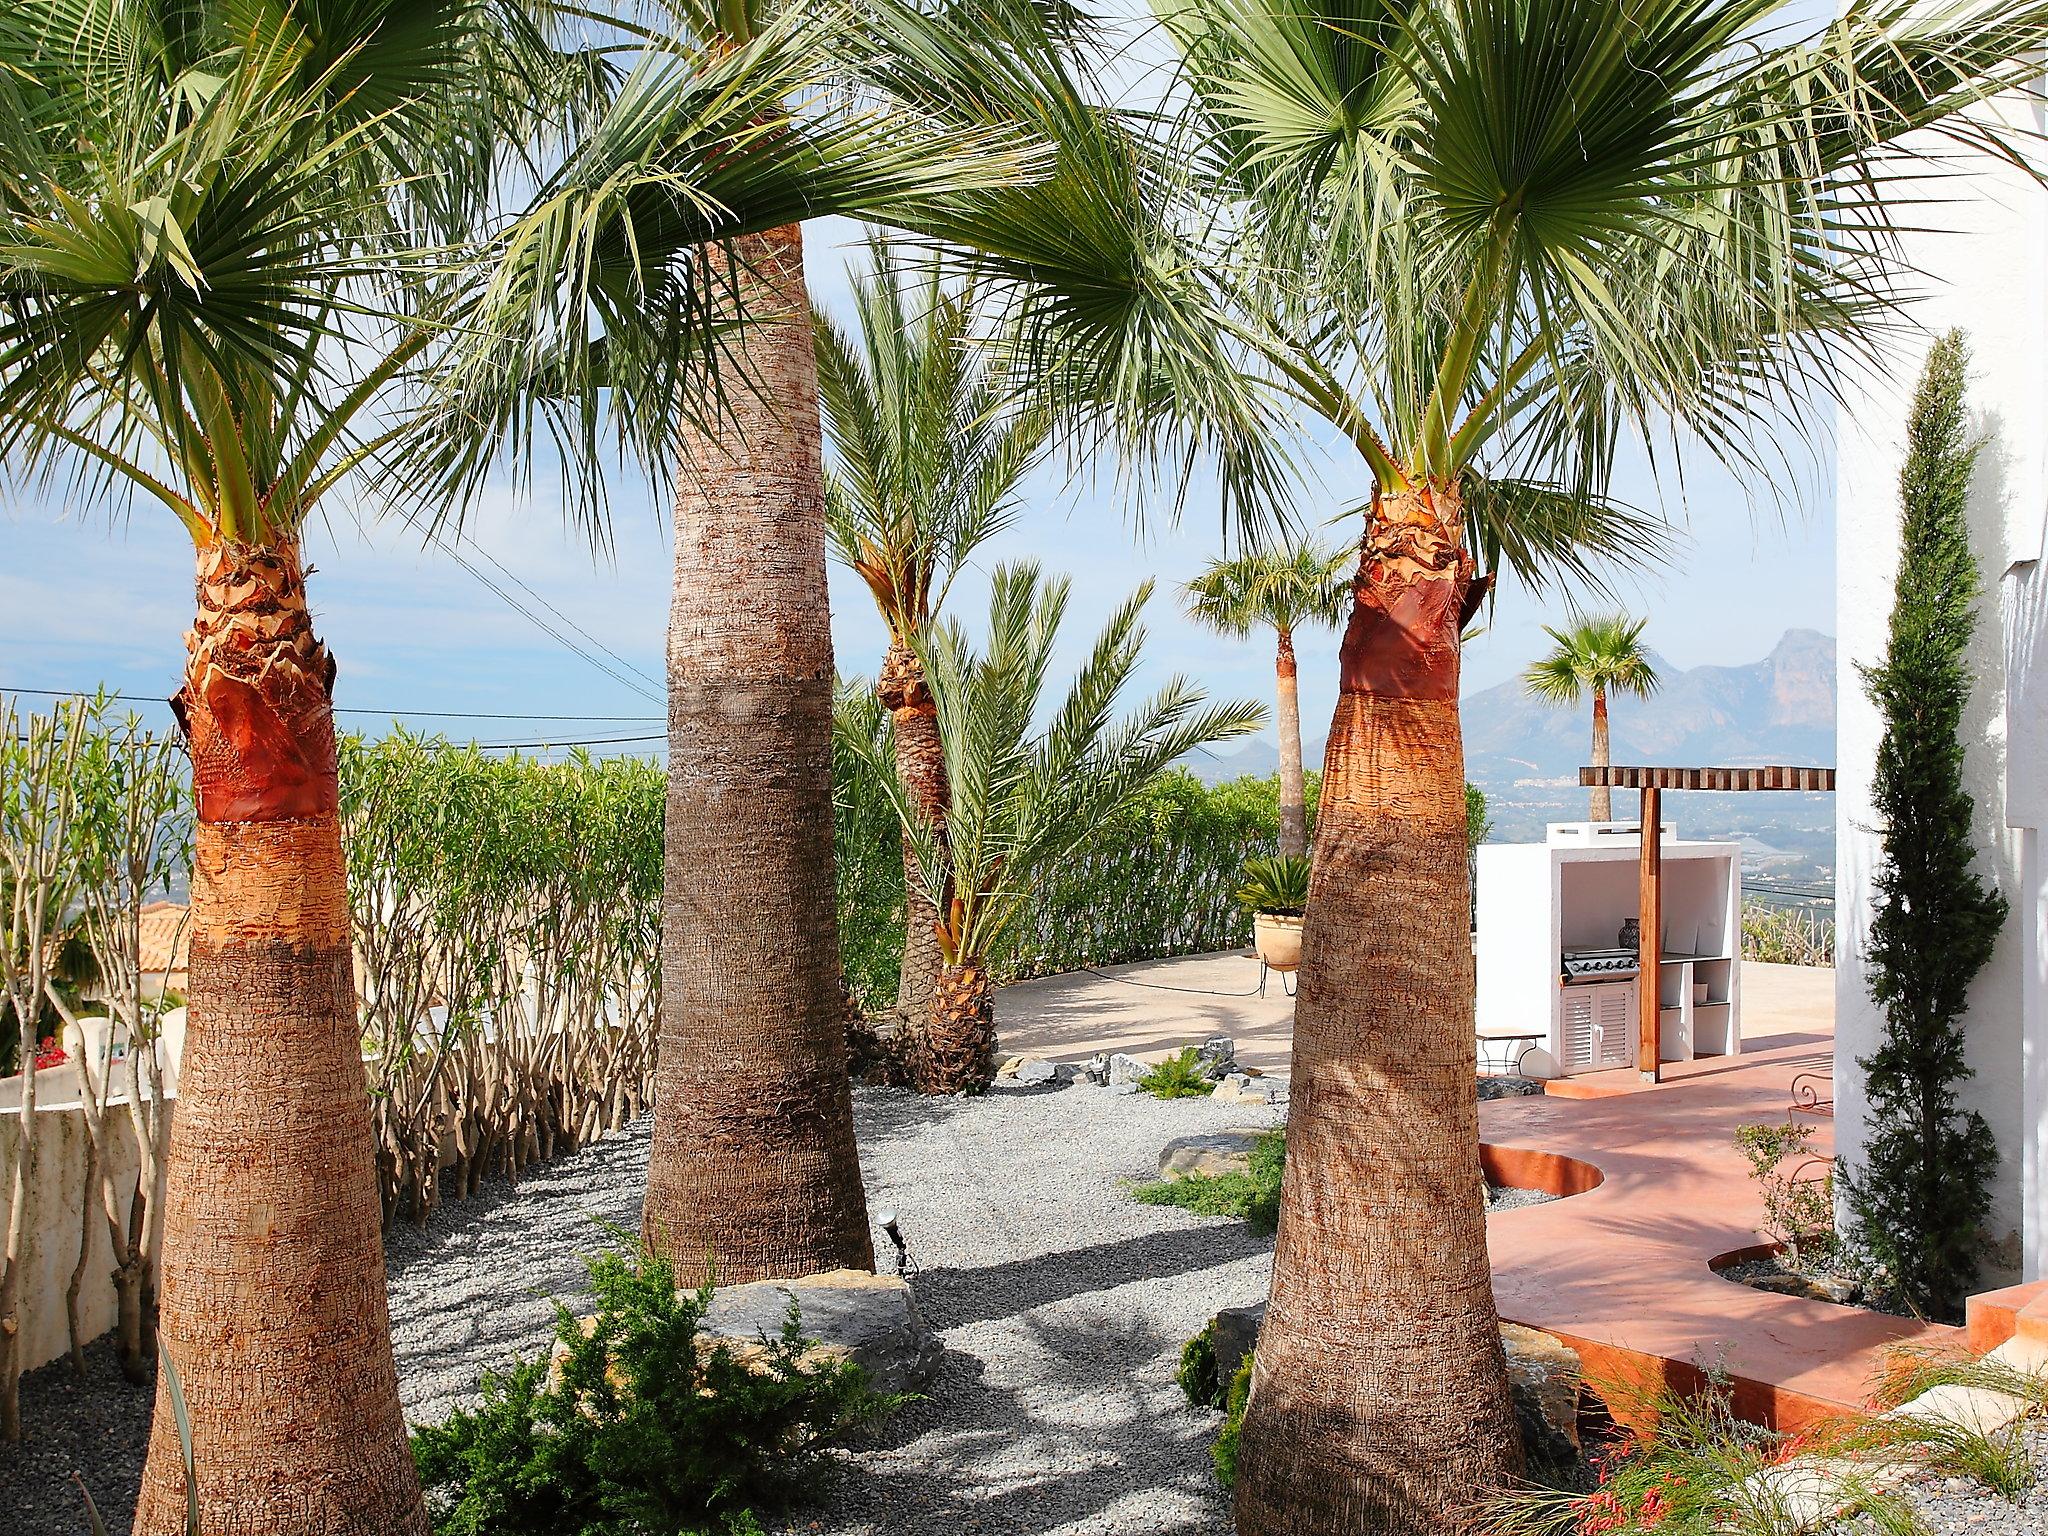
<point>1650,917</point>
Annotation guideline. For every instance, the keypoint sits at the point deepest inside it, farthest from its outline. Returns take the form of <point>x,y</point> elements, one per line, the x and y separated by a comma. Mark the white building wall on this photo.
<point>1987,272</point>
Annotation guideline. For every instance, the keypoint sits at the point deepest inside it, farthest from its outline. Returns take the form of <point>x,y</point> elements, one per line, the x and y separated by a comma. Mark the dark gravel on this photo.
<point>1062,1304</point>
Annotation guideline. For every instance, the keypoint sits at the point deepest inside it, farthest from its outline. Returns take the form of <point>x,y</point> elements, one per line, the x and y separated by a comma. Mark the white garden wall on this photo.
<point>59,1202</point>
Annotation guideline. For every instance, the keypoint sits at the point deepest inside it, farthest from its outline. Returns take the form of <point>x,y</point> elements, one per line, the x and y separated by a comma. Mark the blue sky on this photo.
<point>85,601</point>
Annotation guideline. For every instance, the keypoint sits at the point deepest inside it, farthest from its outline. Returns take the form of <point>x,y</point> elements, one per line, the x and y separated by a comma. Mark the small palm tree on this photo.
<point>1597,656</point>
<point>1025,801</point>
<point>1284,590</point>
<point>930,446</point>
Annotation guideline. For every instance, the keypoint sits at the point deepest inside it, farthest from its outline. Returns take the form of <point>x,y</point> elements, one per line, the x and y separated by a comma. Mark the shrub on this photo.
<point>1197,1371</point>
<point>1700,1474</point>
<point>1179,1077</point>
<point>1799,1211</point>
<point>1278,885</point>
<point>1224,1452</point>
<point>1786,935</point>
<point>642,1428</point>
<point>1253,1196</point>
<point>1917,1205</point>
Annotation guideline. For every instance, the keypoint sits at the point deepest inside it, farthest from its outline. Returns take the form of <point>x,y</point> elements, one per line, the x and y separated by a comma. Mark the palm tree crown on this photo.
<point>929,439</point>
<point>1024,800</point>
<point>1284,590</point>
<point>1593,656</point>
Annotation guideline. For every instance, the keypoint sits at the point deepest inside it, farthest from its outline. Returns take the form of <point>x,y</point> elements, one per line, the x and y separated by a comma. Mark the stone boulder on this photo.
<point>1218,1057</point>
<point>873,1320</point>
<point>1544,1379</point>
<point>1219,1153</point>
<point>1248,1088</point>
<point>1236,1335</point>
<point>1031,1072</point>
<point>1124,1068</point>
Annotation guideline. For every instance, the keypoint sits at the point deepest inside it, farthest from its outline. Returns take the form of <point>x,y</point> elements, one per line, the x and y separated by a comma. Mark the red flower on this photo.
<point>50,1054</point>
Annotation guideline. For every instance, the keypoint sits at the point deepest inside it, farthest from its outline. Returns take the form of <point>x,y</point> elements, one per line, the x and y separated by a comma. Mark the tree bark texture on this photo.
<point>1293,812</point>
<point>273,1309</point>
<point>958,1051</point>
<point>1379,1398</point>
<point>753,1162</point>
<point>921,765</point>
<point>1602,808</point>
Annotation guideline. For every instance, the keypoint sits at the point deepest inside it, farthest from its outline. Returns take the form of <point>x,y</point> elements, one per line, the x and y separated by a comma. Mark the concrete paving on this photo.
<point>1150,1009</point>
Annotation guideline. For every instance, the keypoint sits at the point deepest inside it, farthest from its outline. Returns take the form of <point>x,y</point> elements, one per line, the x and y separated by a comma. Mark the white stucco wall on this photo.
<point>61,1200</point>
<point>1987,272</point>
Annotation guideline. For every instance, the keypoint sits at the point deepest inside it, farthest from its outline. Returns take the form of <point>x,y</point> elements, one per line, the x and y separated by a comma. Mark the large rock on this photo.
<point>1125,1068</point>
<point>1236,1334</point>
<point>1544,1379</point>
<point>1220,1153</point>
<point>1218,1057</point>
<point>1245,1088</point>
<point>873,1320</point>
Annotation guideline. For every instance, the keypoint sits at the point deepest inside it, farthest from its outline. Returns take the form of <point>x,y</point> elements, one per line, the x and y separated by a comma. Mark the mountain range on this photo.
<point>1526,754</point>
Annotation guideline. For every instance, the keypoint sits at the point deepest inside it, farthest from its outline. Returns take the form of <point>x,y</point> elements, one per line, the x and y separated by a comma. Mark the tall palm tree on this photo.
<point>1023,802</point>
<point>214,251</point>
<point>753,1159</point>
<point>1480,240</point>
<point>1284,590</point>
<point>1597,656</point>
<point>229,249</point>
<point>931,440</point>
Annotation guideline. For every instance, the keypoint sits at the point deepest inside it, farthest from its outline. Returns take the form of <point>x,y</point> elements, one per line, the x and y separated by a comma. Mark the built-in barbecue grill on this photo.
<point>1577,967</point>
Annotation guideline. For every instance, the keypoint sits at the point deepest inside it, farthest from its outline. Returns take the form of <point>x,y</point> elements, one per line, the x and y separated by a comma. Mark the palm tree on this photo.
<point>227,249</point>
<point>1285,590</point>
<point>1024,802</point>
<point>213,253</point>
<point>752,1158</point>
<point>931,443</point>
<point>1480,240</point>
<point>1597,656</point>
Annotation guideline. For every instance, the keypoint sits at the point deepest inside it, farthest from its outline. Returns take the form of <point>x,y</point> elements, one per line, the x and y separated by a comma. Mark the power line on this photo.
<point>626,681</point>
<point>412,714</point>
<point>551,608</point>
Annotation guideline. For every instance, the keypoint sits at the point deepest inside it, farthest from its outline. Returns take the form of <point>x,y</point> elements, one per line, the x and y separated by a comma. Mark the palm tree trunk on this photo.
<point>1293,815</point>
<point>753,1158</point>
<point>1603,798</point>
<point>921,765</point>
<point>1379,1399</point>
<point>958,1052</point>
<point>273,1308</point>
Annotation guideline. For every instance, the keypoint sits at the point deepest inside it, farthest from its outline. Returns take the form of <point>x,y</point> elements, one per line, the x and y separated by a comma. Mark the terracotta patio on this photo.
<point>1621,1271</point>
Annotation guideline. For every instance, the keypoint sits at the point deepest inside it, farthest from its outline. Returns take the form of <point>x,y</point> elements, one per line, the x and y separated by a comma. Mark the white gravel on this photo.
<point>1955,1506</point>
<point>1062,1304</point>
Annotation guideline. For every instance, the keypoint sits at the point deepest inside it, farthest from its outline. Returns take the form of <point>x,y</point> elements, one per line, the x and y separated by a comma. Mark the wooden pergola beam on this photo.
<point>1651,782</point>
<point>1795,779</point>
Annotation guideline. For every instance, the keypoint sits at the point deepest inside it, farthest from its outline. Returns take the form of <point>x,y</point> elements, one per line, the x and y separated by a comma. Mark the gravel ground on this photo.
<point>1954,1506</point>
<point>1062,1305</point>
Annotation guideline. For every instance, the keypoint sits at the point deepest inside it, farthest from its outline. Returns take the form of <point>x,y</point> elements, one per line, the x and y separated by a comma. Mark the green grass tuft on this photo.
<point>1253,1196</point>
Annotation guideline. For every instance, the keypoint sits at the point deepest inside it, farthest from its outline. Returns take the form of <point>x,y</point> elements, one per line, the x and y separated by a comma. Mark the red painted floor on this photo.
<point>1621,1272</point>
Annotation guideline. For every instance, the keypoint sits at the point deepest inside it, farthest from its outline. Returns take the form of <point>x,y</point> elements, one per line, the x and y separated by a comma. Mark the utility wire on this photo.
<point>651,681</point>
<point>409,714</point>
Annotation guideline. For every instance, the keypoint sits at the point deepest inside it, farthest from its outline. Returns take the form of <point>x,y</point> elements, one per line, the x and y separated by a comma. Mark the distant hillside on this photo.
<point>1777,710</point>
<point>1526,754</point>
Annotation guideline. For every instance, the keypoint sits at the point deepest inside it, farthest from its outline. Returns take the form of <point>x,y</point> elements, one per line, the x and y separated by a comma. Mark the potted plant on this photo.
<point>1275,892</point>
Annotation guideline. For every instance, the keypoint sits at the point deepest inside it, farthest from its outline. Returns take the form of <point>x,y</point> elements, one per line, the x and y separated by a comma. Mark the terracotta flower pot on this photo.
<point>1278,938</point>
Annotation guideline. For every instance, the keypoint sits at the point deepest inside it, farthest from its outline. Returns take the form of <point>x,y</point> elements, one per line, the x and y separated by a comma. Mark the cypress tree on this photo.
<point>1917,1206</point>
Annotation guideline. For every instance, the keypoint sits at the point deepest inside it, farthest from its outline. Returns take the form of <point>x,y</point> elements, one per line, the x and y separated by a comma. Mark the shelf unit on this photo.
<point>1584,876</point>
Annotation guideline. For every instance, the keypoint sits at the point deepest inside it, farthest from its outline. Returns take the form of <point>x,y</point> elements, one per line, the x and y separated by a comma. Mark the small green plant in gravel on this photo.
<point>1197,1370</point>
<point>1179,1077</point>
<point>640,1427</point>
<point>1252,1196</point>
<point>1224,1452</point>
